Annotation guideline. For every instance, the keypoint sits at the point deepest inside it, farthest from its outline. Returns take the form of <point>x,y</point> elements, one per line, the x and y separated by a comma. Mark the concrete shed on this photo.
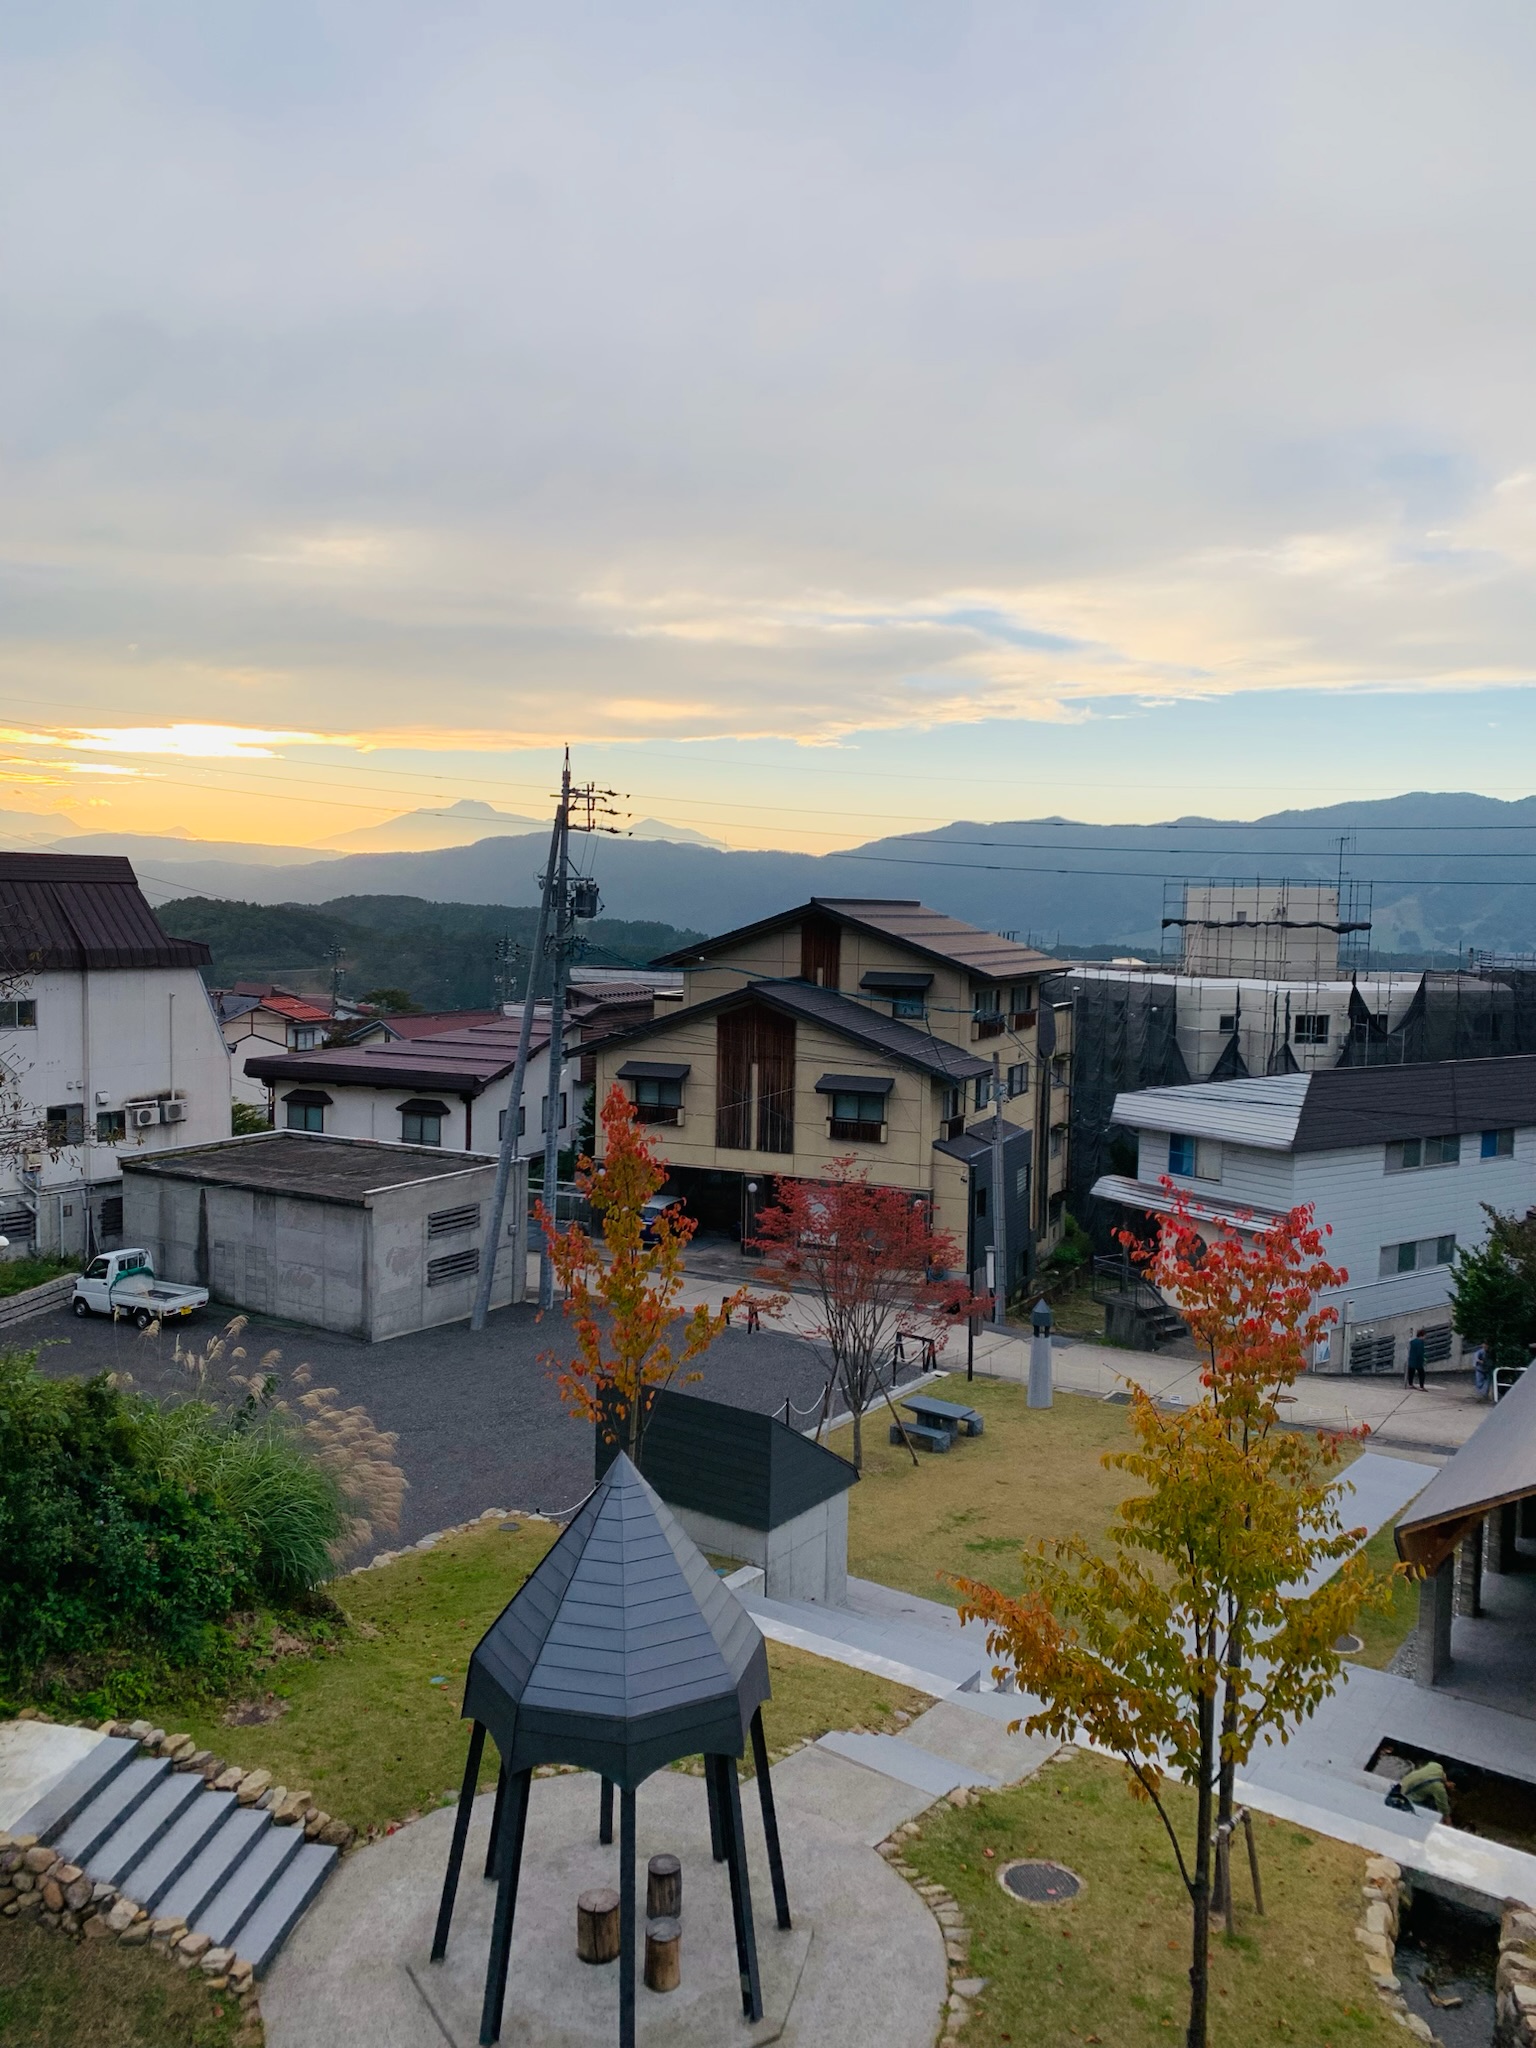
<point>370,1239</point>
<point>747,1485</point>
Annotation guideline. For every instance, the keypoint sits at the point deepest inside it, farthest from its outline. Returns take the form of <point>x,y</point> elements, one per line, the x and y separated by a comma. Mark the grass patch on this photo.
<point>17,1275</point>
<point>56,1993</point>
<point>361,1725</point>
<point>1383,1633</point>
<point>1034,1473</point>
<point>1112,1964</point>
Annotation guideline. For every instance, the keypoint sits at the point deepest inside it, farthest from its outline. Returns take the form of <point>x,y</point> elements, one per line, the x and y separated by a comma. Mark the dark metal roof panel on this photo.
<point>655,1070</point>
<point>77,911</point>
<point>1373,1105</point>
<point>744,1467</point>
<point>423,1063</point>
<point>909,923</point>
<point>854,1084</point>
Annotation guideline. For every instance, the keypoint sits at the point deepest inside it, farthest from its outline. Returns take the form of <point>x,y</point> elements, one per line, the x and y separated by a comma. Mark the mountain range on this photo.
<point>1444,870</point>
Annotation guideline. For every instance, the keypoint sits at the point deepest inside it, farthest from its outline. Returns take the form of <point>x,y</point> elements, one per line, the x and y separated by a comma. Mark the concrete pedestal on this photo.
<point>1040,1369</point>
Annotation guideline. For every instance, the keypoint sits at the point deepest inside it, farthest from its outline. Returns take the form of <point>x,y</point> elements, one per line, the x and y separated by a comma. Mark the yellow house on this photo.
<point>875,1027</point>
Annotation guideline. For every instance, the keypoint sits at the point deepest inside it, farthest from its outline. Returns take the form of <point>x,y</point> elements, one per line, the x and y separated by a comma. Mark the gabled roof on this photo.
<point>466,1062</point>
<point>1339,1107</point>
<point>731,1462</point>
<point>1496,1464</point>
<point>74,911</point>
<point>987,955</point>
<point>622,1650</point>
<point>884,1037</point>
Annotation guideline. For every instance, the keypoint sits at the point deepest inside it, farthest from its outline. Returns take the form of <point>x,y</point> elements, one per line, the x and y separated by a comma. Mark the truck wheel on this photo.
<point>142,1318</point>
<point>81,1307</point>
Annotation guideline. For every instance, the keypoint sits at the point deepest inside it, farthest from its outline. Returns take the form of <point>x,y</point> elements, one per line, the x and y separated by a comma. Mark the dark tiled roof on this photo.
<point>1373,1105</point>
<point>60,910</point>
<point>303,1163</point>
<point>463,1061</point>
<point>987,955</point>
<point>877,1033</point>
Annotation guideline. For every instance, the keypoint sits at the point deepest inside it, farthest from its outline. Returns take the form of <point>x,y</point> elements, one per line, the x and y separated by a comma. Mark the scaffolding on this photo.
<point>1271,931</point>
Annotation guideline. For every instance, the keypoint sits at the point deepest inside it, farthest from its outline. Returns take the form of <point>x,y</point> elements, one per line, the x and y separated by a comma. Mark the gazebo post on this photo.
<point>460,1836</point>
<point>627,1917</point>
<point>605,1814</point>
<point>741,1889</point>
<point>716,1832</point>
<point>511,1862</point>
<point>770,1820</point>
<point>496,1813</point>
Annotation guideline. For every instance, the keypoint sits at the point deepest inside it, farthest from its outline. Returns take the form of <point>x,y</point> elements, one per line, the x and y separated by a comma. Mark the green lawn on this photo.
<point>56,1993</point>
<point>1111,1964</point>
<point>1383,1632</point>
<point>367,1732</point>
<point>17,1275</point>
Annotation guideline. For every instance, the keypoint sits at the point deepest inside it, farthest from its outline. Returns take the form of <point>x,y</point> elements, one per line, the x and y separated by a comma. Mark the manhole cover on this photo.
<point>1348,1646</point>
<point>1040,1884</point>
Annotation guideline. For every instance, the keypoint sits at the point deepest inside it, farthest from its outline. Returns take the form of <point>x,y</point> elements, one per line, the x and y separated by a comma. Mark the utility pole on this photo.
<point>999,1203</point>
<point>338,958</point>
<point>559,946</point>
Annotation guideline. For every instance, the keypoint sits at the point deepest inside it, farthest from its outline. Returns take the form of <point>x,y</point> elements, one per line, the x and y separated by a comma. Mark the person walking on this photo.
<point>1416,1359</point>
<point>1482,1372</point>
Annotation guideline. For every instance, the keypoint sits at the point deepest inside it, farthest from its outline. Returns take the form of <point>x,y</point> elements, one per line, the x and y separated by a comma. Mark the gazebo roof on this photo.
<point>622,1651</point>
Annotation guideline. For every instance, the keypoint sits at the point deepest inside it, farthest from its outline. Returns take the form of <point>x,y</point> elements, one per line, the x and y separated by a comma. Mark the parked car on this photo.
<point>124,1284</point>
<point>652,1213</point>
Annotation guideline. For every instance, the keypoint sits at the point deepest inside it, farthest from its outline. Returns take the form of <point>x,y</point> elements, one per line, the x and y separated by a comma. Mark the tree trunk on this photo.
<point>858,1439</point>
<point>1200,1953</point>
<point>1227,1777</point>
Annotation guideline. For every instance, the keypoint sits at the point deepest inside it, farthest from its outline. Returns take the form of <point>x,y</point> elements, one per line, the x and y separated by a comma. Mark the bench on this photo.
<point>947,1415</point>
<point>920,1434</point>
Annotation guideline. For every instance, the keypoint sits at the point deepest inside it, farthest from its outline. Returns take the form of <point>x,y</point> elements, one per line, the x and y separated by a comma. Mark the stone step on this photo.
<point>178,1848</point>
<point>274,1919</point>
<point>80,1784</point>
<point>213,1867</point>
<point>906,1762</point>
<point>103,1815</point>
<point>136,1838</point>
<point>248,1884</point>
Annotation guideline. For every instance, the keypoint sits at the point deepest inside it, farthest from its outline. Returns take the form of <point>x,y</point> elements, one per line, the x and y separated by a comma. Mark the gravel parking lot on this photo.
<point>479,1418</point>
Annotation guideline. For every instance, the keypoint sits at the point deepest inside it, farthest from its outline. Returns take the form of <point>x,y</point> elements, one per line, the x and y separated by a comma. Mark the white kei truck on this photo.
<point>124,1284</point>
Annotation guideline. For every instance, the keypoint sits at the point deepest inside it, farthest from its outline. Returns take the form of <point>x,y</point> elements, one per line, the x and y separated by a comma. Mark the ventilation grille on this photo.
<point>452,1266</point>
<point>448,1222</point>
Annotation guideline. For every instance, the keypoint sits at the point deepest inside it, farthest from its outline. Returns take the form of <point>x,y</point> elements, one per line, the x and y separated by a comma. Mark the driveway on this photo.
<point>479,1419</point>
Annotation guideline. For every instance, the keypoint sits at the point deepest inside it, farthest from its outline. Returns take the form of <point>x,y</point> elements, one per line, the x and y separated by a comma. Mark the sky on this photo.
<point>823,417</point>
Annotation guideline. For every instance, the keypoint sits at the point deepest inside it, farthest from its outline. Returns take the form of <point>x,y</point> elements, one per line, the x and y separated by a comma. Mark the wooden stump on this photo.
<point>597,1927</point>
<point>663,1954</point>
<point>663,1888</point>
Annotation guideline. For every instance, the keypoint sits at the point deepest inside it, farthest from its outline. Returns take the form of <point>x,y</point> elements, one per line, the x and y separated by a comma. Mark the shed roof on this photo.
<point>60,910</point>
<point>732,1462</point>
<point>1201,1204</point>
<point>1496,1464</point>
<point>883,1036</point>
<point>309,1164</point>
<point>622,1650</point>
<point>987,955</point>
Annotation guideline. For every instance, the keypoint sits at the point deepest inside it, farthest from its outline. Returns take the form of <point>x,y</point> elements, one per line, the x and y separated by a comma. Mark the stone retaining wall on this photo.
<point>1515,1985</point>
<point>36,1301</point>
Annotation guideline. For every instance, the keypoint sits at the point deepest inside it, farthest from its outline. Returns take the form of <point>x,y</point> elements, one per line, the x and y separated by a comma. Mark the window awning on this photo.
<point>423,1105</point>
<point>855,1084</point>
<point>308,1098</point>
<point>653,1070</point>
<point>894,981</point>
<point>1202,1205</point>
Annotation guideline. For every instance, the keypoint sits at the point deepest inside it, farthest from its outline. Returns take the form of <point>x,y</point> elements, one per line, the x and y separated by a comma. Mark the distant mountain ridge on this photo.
<point>1448,869</point>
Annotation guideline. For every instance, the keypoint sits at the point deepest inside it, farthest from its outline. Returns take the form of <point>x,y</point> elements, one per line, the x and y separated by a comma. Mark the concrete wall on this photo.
<point>805,1559</point>
<point>360,1271</point>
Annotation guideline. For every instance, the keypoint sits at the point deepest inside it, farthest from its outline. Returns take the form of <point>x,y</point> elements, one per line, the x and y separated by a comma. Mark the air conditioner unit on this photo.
<point>142,1115</point>
<point>173,1112</point>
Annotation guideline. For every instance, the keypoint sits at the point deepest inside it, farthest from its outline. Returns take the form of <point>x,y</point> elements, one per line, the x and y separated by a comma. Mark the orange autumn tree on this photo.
<point>622,1302</point>
<point>1193,1633</point>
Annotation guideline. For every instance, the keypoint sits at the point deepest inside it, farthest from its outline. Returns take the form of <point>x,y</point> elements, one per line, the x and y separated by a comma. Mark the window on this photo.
<point>1194,1158</point>
<point>18,1016</point>
<point>1058,1073</point>
<point>979,1198</point>
<point>953,1104</point>
<point>306,1037</point>
<point>96,1270</point>
<point>1498,1145</point>
<point>66,1123</point>
<point>909,1005</point>
<point>981,1092</point>
<point>453,1266</point>
<point>1310,1027</point>
<point>1021,1180</point>
<point>111,1126</point>
<point>987,1012</point>
<point>448,1222</point>
<point>522,1122</point>
<point>859,1117</point>
<point>1404,1155</point>
<point>1018,1079</point>
<point>305,1116</point>
<point>1227,1021</point>
<point>421,1127</point>
<point>1417,1255</point>
<point>657,1102</point>
<point>1181,1155</point>
<point>544,1112</point>
<point>112,1216</point>
<point>1058,1141</point>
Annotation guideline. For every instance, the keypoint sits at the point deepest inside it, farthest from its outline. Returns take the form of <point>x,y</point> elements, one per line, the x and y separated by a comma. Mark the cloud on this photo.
<point>756,371</point>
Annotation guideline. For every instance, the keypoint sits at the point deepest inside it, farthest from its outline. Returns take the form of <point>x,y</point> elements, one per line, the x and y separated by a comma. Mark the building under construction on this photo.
<point>1267,977</point>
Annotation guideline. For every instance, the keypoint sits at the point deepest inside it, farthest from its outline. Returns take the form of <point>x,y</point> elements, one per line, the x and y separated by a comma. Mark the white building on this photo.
<point>1398,1161</point>
<point>109,1047</point>
<point>258,1018</point>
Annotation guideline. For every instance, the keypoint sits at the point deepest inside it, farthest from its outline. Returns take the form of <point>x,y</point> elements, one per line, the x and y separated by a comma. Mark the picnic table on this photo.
<point>938,1422</point>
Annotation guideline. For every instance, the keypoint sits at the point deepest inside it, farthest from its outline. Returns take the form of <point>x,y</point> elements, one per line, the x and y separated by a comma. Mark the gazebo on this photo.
<point>622,1652</point>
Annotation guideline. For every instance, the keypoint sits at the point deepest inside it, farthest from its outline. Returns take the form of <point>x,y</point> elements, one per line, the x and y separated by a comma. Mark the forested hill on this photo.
<point>442,954</point>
